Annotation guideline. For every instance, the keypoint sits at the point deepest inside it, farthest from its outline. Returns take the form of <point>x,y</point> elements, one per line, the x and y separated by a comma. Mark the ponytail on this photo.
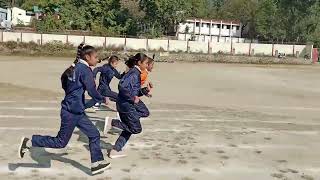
<point>68,74</point>
<point>133,60</point>
<point>78,54</point>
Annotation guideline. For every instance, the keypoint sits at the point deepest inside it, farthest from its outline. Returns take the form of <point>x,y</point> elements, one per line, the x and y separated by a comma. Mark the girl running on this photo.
<point>107,72</point>
<point>77,79</point>
<point>129,93</point>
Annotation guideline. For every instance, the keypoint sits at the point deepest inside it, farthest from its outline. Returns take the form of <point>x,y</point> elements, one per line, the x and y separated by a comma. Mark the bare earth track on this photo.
<point>209,121</point>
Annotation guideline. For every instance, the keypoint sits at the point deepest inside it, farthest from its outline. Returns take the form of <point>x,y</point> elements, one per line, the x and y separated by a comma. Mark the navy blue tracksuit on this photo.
<point>72,112</point>
<point>129,87</point>
<point>107,73</point>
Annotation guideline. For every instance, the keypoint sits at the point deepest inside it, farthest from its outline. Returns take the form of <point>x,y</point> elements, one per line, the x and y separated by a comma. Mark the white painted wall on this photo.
<point>178,46</point>
<point>46,38</point>
<point>261,49</point>
<point>283,48</point>
<point>31,37</point>
<point>154,44</point>
<point>11,36</point>
<point>95,41</point>
<point>115,42</point>
<point>299,49</point>
<point>241,48</point>
<point>136,44</point>
<point>75,40</point>
<point>198,47</point>
<point>221,47</point>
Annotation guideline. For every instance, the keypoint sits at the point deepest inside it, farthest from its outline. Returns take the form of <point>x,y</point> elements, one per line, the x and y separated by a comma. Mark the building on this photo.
<point>3,14</point>
<point>209,30</point>
<point>20,16</point>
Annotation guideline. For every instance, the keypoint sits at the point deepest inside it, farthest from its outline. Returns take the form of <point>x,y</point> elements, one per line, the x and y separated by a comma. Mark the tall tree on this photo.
<point>244,11</point>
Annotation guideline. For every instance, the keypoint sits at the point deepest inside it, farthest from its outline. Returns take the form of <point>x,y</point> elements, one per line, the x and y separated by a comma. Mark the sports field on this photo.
<point>208,121</point>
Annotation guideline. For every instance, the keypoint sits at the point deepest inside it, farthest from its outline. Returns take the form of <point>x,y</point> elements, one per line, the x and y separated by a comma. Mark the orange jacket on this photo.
<point>144,76</point>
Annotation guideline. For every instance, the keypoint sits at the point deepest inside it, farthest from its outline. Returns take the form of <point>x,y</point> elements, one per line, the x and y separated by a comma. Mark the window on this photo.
<point>197,24</point>
<point>238,28</point>
<point>202,25</point>
<point>228,26</point>
<point>219,26</point>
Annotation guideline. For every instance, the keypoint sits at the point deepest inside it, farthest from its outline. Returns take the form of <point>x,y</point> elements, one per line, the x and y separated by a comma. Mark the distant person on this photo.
<point>107,72</point>
<point>77,79</point>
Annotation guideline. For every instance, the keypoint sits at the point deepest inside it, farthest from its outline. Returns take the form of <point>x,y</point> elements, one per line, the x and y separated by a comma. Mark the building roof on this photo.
<point>234,22</point>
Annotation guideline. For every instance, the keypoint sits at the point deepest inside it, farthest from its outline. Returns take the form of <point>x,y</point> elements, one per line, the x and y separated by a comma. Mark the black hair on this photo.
<point>150,60</point>
<point>133,60</point>
<point>78,53</point>
<point>113,59</point>
<point>86,50</point>
<point>82,51</point>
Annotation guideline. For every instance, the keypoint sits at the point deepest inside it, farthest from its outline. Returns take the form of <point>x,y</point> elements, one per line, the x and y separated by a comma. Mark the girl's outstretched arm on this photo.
<point>90,85</point>
<point>96,71</point>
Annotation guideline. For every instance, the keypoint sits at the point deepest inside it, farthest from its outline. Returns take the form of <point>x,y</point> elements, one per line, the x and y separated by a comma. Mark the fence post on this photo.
<point>105,42</point>
<point>231,51</point>
<point>147,44</point>
<point>41,40</point>
<point>293,53</point>
<point>168,47</point>
<point>188,48</point>
<point>84,39</point>
<point>1,36</point>
<point>250,49</point>
<point>125,43</point>
<point>20,36</point>
<point>67,39</point>
<point>272,49</point>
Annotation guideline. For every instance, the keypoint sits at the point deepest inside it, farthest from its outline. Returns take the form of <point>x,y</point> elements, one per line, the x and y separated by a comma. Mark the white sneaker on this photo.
<point>91,110</point>
<point>113,154</point>
<point>99,167</point>
<point>107,125</point>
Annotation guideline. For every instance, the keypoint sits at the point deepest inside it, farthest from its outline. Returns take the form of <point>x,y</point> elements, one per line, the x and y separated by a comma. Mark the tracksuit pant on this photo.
<point>142,109</point>
<point>130,124</point>
<point>107,92</point>
<point>68,122</point>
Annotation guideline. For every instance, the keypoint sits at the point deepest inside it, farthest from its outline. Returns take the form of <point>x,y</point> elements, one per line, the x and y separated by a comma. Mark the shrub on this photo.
<point>11,45</point>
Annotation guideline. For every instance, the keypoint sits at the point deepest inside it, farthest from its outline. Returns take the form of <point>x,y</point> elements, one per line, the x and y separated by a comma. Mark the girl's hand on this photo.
<point>136,99</point>
<point>149,95</point>
<point>150,85</point>
<point>107,100</point>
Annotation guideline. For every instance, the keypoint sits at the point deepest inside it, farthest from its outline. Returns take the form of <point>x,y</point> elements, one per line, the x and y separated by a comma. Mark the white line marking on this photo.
<point>247,131</point>
<point>29,117</point>
<point>30,108</point>
<point>179,110</point>
<point>32,101</point>
<point>175,119</point>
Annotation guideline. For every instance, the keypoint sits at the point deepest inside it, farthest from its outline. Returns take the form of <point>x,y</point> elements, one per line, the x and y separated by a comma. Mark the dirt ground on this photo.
<point>208,121</point>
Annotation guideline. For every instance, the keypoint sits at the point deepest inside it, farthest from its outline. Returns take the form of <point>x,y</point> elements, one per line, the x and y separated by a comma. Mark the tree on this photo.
<point>244,11</point>
<point>267,19</point>
<point>5,3</point>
